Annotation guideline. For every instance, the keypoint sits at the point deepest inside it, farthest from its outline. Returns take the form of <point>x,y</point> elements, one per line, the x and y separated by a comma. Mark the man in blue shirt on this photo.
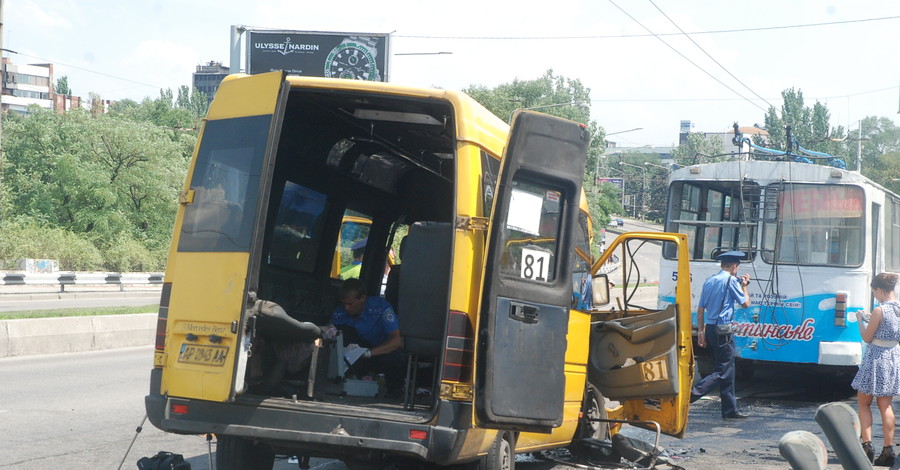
<point>370,323</point>
<point>716,307</point>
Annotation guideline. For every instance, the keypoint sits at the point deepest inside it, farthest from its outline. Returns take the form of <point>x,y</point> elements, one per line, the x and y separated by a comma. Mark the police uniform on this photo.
<point>369,330</point>
<point>720,293</point>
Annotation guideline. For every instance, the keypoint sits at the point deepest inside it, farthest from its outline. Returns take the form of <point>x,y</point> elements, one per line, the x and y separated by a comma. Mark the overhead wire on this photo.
<point>656,100</point>
<point>83,69</point>
<point>617,36</point>
<point>688,59</point>
<point>688,36</point>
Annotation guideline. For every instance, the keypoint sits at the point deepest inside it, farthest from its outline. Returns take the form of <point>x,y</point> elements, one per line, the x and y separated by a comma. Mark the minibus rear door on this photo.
<point>527,290</point>
<point>217,229</point>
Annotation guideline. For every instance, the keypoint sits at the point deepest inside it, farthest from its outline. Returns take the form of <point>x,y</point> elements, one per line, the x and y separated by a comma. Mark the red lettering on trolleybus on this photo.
<point>802,332</point>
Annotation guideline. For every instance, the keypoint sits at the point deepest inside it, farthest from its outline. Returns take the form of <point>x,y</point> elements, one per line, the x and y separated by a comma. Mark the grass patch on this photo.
<point>78,312</point>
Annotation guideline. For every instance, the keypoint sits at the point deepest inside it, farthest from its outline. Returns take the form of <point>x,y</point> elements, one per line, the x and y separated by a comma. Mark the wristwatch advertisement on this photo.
<point>354,56</point>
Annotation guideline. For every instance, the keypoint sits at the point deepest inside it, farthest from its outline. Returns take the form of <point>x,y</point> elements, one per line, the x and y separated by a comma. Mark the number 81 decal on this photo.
<point>655,370</point>
<point>535,264</point>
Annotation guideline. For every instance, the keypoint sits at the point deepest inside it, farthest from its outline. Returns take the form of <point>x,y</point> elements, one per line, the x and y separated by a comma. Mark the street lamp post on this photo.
<point>597,167</point>
<point>643,187</point>
<point>658,166</point>
<point>623,187</point>
<point>859,140</point>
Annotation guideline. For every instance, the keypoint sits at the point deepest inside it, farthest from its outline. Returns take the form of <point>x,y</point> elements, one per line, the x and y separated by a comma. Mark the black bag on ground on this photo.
<point>163,461</point>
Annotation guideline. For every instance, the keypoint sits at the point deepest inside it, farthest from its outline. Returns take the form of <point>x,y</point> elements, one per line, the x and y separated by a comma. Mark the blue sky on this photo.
<point>125,49</point>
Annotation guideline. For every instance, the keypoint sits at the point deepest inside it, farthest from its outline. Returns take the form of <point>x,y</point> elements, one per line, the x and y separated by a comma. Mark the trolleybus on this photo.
<point>814,235</point>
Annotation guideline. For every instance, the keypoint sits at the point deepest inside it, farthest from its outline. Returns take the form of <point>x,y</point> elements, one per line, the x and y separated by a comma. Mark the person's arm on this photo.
<point>393,343</point>
<point>745,285</point>
<point>701,328</point>
<point>868,332</point>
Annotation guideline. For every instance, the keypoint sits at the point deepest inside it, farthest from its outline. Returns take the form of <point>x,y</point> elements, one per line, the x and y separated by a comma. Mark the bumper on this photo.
<point>840,353</point>
<point>314,433</point>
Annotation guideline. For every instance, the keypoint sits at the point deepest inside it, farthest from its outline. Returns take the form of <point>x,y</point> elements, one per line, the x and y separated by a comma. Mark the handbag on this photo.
<point>163,461</point>
<point>724,329</point>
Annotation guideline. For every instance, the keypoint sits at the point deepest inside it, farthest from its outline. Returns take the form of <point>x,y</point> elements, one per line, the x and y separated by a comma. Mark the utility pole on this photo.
<point>2,80</point>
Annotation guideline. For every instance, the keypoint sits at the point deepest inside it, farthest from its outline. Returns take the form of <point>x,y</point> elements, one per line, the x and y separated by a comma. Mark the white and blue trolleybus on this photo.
<point>815,235</point>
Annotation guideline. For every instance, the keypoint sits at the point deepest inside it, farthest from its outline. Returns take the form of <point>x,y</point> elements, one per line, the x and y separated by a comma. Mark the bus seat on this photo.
<point>424,292</point>
<point>424,287</point>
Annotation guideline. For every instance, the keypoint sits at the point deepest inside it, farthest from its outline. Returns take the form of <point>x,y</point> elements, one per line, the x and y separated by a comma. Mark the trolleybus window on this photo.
<point>716,216</point>
<point>816,225</point>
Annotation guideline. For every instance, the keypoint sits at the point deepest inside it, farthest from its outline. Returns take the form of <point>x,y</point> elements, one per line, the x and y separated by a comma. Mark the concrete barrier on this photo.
<point>23,337</point>
<point>64,279</point>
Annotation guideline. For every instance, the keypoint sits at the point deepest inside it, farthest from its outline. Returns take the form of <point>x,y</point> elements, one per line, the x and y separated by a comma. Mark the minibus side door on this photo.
<point>211,267</point>
<point>527,282</point>
<point>640,348</point>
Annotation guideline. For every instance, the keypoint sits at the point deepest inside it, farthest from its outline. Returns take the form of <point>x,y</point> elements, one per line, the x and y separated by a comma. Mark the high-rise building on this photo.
<point>24,85</point>
<point>208,77</point>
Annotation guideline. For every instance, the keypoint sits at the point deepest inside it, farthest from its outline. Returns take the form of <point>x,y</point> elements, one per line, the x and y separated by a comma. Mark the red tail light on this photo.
<point>460,348</point>
<point>179,409</point>
<point>163,317</point>
<point>840,308</point>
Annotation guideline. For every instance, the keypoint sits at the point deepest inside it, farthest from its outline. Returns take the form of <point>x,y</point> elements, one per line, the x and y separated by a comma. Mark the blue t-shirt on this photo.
<point>374,324</point>
<point>716,309</point>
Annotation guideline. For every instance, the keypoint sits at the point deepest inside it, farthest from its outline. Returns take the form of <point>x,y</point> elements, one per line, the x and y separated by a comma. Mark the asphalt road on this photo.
<point>19,298</point>
<point>80,411</point>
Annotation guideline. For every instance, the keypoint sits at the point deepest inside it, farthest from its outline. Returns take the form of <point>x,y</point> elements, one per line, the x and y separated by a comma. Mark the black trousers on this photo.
<point>722,348</point>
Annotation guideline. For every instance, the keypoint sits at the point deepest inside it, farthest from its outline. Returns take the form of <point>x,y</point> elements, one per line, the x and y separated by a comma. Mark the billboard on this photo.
<point>356,56</point>
<point>618,182</point>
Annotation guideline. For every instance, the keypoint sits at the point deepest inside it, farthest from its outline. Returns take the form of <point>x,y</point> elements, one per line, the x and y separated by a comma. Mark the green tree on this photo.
<point>62,86</point>
<point>107,179</point>
<point>699,148</point>
<point>809,127</point>
<point>165,111</point>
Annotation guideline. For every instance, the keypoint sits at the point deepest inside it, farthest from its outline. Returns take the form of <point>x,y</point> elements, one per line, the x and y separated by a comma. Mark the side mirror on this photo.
<point>600,290</point>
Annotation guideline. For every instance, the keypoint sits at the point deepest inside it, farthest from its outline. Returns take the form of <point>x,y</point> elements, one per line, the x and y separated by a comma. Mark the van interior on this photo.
<point>353,175</point>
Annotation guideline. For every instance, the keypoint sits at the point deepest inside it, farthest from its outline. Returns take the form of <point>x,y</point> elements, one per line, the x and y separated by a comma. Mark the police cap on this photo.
<point>731,256</point>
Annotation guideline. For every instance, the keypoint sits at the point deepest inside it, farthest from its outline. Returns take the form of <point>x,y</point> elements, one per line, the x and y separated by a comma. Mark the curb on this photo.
<point>33,336</point>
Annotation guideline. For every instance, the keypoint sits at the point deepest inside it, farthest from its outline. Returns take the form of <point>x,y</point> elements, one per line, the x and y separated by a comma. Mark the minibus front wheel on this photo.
<point>593,411</point>
<point>235,453</point>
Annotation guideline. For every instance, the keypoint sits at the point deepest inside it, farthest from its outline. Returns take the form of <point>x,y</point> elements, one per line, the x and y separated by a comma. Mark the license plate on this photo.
<point>206,355</point>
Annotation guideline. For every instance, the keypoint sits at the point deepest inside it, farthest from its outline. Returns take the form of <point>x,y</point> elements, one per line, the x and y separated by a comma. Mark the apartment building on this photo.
<point>24,85</point>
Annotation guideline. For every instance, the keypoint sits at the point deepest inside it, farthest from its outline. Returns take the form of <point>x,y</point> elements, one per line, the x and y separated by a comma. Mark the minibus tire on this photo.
<point>501,456</point>
<point>235,453</point>
<point>594,406</point>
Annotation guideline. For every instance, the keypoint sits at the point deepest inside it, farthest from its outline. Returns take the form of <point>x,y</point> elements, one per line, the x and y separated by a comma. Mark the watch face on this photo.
<point>351,61</point>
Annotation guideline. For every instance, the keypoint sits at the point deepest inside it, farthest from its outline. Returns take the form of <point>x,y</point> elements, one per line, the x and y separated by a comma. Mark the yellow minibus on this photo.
<point>503,349</point>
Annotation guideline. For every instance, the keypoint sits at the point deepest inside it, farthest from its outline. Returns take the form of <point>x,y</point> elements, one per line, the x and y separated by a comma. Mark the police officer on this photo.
<point>715,313</point>
<point>370,323</point>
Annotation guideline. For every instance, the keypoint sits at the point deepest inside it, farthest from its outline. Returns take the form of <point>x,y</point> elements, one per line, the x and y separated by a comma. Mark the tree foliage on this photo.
<point>62,86</point>
<point>108,180</point>
<point>699,148</point>
<point>809,127</point>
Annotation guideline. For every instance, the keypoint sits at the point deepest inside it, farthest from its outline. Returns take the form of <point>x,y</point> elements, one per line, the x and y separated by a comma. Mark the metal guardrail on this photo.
<point>73,279</point>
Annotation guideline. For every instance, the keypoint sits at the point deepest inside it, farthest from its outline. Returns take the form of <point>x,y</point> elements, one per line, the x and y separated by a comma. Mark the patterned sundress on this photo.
<point>879,371</point>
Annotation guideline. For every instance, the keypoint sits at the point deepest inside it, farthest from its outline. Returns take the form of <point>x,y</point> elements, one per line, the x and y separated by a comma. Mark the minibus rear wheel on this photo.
<point>235,453</point>
<point>501,456</point>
